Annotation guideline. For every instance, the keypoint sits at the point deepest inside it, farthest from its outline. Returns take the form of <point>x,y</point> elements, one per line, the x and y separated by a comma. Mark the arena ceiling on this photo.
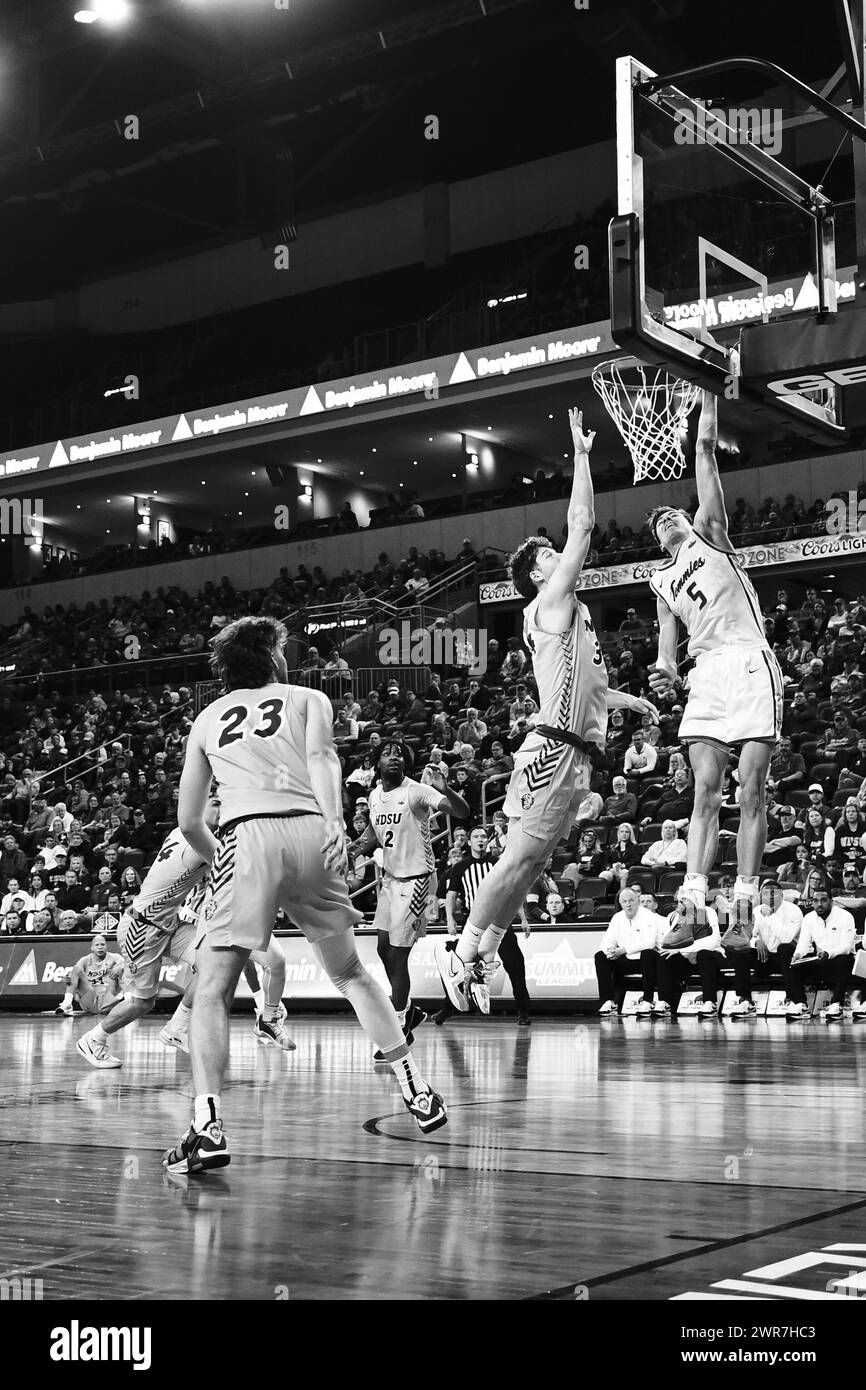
<point>253,118</point>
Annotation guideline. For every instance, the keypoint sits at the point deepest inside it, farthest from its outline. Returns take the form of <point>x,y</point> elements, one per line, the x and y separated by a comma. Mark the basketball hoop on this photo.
<point>650,408</point>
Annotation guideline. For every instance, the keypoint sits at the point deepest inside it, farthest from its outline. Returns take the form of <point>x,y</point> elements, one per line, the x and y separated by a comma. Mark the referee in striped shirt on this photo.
<point>464,882</point>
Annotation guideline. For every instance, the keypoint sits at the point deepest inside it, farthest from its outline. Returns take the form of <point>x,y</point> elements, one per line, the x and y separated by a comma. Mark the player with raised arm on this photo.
<point>270,748</point>
<point>734,689</point>
<point>400,812</point>
<point>552,767</point>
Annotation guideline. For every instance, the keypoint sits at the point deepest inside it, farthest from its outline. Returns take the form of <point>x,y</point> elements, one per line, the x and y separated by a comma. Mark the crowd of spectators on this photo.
<point>172,622</point>
<point>75,842</point>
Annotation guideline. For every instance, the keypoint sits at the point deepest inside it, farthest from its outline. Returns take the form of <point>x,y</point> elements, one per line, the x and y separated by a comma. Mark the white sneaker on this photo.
<point>796,1011</point>
<point>660,1009</point>
<point>64,1010</point>
<point>452,972</point>
<point>833,1011</point>
<point>608,1007</point>
<point>272,1034</point>
<point>172,1038</point>
<point>96,1053</point>
<point>743,1008</point>
<point>644,1008</point>
<point>707,1009</point>
<point>859,1010</point>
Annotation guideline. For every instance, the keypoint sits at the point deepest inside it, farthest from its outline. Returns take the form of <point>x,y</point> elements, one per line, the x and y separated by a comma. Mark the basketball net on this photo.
<point>650,408</point>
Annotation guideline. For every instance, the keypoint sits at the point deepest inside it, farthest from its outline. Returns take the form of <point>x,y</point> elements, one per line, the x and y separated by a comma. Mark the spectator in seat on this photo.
<point>674,967</point>
<point>498,834</point>
<point>817,801</point>
<point>640,758</point>
<point>622,856</point>
<point>499,763</point>
<point>472,730</point>
<point>345,730</point>
<point>676,801</point>
<point>621,805</point>
<point>824,952</point>
<point>617,738</point>
<point>71,894</point>
<point>13,924</point>
<point>667,852</point>
<point>312,663</point>
<point>13,862</point>
<point>839,741</point>
<point>802,718</point>
<point>780,851</point>
<point>41,924</point>
<point>514,662</point>
<point>777,925</point>
<point>16,898</point>
<point>818,836</point>
<point>631,940</point>
<point>787,768</point>
<point>588,860</point>
<point>535,902</point>
<point>850,846</point>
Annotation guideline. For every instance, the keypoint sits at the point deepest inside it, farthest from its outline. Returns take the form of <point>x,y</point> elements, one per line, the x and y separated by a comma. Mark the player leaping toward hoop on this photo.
<point>734,689</point>
<point>552,767</point>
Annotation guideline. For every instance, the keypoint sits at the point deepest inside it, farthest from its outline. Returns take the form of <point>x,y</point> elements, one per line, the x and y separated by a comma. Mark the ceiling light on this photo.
<point>429,439</point>
<point>414,463</point>
<point>362,473</point>
<point>374,451</point>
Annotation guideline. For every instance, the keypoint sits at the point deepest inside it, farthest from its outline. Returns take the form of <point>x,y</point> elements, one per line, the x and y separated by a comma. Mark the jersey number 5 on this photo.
<point>272,718</point>
<point>694,593</point>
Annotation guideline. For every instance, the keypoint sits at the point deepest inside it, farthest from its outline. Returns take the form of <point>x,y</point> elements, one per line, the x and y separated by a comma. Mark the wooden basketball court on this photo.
<point>607,1160</point>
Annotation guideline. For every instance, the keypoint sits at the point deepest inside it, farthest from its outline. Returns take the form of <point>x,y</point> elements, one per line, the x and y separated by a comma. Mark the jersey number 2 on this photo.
<point>272,712</point>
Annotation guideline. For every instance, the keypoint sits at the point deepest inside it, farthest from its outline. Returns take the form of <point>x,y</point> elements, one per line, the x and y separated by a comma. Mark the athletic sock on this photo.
<point>746,886</point>
<point>269,1013</point>
<point>470,941</point>
<point>695,886</point>
<point>259,1000</point>
<point>489,944</point>
<point>99,1035</point>
<point>206,1110</point>
<point>181,1017</point>
<point>67,998</point>
<point>406,1071</point>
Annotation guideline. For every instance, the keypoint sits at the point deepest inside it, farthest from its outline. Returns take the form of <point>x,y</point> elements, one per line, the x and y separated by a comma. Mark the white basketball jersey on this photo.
<point>571,677</point>
<point>256,743</point>
<point>174,872</point>
<point>401,822</point>
<point>706,588</point>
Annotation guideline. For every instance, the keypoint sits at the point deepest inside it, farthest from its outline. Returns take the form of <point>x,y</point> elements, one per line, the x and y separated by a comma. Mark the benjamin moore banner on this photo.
<point>809,548</point>
<point>420,379</point>
<point>559,968</point>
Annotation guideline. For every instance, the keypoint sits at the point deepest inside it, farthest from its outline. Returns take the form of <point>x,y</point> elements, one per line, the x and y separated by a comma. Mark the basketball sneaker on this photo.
<point>173,1038</point>
<point>795,1011</point>
<point>707,1009</point>
<point>692,925</point>
<point>661,1009</point>
<point>737,938</point>
<point>608,1007</point>
<point>858,1010</point>
<point>428,1111</point>
<point>64,1011</point>
<point>478,984</point>
<point>452,972</point>
<point>743,1009</point>
<point>833,1011</point>
<point>96,1053</point>
<point>644,1008</point>
<point>199,1152</point>
<point>272,1034</point>
<point>414,1018</point>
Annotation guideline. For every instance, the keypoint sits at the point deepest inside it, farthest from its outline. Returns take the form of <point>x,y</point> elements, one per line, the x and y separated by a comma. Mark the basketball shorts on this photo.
<point>267,863</point>
<point>546,788</point>
<point>735,695</point>
<point>145,949</point>
<point>402,908</point>
<point>98,999</point>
